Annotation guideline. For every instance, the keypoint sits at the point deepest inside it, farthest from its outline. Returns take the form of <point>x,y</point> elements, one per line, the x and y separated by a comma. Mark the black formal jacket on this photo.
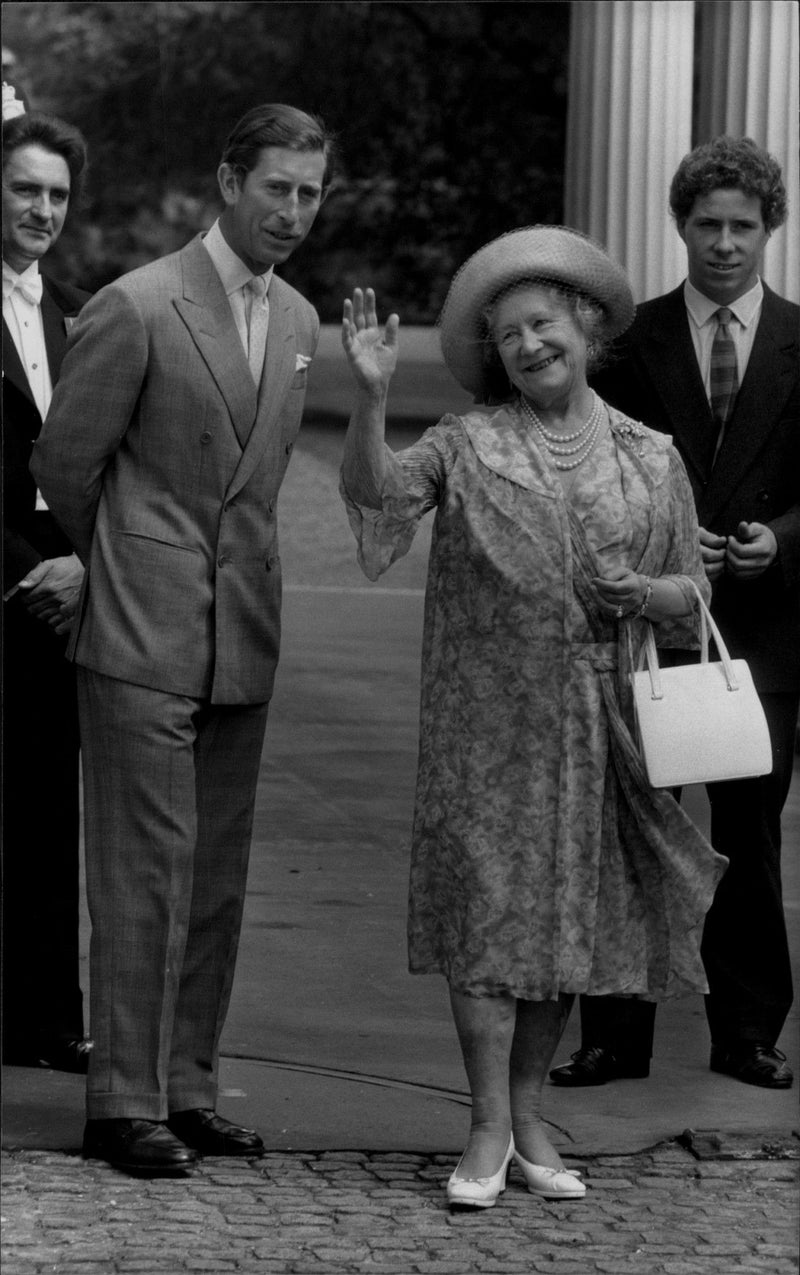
<point>28,537</point>
<point>655,378</point>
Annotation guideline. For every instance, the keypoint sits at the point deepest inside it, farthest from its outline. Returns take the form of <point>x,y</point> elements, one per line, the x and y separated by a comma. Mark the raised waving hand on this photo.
<point>372,354</point>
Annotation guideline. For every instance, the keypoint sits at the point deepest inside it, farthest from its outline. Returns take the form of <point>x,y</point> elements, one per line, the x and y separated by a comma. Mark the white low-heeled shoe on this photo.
<point>551,1184</point>
<point>479,1193</point>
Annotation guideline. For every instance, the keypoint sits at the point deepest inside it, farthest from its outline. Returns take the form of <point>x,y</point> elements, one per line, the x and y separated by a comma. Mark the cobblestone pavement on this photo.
<point>659,1212</point>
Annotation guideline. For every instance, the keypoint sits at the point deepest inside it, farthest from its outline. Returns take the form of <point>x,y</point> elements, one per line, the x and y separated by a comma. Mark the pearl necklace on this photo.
<point>587,434</point>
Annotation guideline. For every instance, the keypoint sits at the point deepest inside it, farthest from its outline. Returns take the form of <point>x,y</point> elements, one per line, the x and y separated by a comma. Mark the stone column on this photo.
<point>628,127</point>
<point>749,72</point>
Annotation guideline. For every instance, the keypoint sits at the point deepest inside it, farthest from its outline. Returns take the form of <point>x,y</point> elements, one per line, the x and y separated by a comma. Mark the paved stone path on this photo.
<point>659,1212</point>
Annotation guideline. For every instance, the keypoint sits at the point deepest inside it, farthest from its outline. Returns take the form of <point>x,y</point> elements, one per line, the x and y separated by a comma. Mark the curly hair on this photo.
<point>729,163</point>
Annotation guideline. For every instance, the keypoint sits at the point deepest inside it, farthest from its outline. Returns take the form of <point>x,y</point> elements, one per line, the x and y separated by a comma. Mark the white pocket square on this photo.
<point>302,363</point>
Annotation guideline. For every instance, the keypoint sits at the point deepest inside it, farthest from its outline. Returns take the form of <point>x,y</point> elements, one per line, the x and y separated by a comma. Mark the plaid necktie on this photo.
<point>257,327</point>
<point>724,381</point>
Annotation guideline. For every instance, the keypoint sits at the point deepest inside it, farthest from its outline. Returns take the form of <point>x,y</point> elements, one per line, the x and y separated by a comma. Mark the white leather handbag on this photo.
<point>699,723</point>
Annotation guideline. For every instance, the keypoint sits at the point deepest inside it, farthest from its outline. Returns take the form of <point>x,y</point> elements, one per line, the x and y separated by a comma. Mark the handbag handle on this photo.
<point>648,655</point>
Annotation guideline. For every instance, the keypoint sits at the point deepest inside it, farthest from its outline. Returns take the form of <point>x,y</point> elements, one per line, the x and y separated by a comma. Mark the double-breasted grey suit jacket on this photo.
<point>756,478</point>
<point>162,463</point>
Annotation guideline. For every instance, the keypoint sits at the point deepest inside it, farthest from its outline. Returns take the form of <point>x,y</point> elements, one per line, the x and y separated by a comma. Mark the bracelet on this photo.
<point>648,597</point>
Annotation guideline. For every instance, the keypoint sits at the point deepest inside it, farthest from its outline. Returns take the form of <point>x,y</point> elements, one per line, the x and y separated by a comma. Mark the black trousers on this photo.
<point>745,949</point>
<point>42,1000</point>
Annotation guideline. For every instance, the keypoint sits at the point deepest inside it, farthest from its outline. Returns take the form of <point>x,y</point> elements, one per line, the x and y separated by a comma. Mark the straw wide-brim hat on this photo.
<point>546,254</point>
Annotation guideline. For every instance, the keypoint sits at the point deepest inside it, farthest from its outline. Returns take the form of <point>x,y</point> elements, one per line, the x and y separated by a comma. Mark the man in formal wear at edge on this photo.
<point>179,402</point>
<point>44,161</point>
<point>715,364</point>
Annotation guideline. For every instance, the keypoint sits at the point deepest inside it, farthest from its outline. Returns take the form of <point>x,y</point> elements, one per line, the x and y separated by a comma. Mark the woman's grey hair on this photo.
<point>588,314</point>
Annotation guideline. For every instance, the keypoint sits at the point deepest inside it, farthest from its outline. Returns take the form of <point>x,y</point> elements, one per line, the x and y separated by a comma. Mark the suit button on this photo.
<point>223,560</point>
<point>288,449</point>
<point>270,563</point>
<point>205,437</point>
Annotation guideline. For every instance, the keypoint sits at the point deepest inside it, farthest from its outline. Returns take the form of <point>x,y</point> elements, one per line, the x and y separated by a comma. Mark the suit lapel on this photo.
<point>55,332</point>
<point>668,352</point>
<point>772,363</point>
<point>206,311</point>
<point>55,343</point>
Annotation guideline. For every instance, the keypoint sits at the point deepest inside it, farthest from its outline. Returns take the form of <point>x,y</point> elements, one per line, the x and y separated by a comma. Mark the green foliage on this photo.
<point>450,117</point>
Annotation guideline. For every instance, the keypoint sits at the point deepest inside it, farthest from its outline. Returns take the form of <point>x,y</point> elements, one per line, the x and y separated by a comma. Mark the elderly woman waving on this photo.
<point>543,864</point>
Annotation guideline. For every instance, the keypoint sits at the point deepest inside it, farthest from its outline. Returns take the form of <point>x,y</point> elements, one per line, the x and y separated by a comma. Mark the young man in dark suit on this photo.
<point>43,163</point>
<point>715,364</point>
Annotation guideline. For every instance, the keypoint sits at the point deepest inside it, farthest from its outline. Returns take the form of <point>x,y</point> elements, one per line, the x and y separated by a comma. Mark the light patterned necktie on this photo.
<point>257,327</point>
<point>724,381</point>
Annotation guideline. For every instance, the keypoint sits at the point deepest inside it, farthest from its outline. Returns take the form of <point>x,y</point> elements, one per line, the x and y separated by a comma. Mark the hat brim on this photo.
<point>550,254</point>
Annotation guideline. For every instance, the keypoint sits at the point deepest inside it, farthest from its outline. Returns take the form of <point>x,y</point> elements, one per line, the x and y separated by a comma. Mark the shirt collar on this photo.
<point>232,271</point>
<point>11,277</point>
<point>701,308</point>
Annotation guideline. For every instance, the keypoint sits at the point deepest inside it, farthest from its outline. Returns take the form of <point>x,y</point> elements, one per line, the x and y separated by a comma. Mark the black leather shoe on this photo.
<point>592,1065</point>
<point>753,1063</point>
<point>57,1055</point>
<point>144,1147</point>
<point>207,1132</point>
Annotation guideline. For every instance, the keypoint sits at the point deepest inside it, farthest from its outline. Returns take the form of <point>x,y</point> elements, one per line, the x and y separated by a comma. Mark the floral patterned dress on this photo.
<point>542,861</point>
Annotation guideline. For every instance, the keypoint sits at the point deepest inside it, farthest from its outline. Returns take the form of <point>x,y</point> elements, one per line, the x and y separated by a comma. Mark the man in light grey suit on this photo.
<point>167,439</point>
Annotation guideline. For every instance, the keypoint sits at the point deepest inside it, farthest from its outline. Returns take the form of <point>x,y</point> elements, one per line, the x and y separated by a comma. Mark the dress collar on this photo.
<point>702,309</point>
<point>28,281</point>
<point>505,444</point>
<point>232,271</point>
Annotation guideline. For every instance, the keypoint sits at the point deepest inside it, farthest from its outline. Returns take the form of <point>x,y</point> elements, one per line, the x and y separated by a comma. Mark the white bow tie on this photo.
<point>30,289</point>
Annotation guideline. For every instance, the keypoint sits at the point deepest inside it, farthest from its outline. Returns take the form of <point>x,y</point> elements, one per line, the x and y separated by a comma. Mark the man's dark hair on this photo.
<point>276,124</point>
<point>728,163</point>
<point>52,134</point>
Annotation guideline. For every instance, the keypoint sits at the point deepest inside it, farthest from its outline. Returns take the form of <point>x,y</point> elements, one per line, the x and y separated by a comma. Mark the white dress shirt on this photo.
<point>234,276</point>
<point>24,321</point>
<point>746,311</point>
